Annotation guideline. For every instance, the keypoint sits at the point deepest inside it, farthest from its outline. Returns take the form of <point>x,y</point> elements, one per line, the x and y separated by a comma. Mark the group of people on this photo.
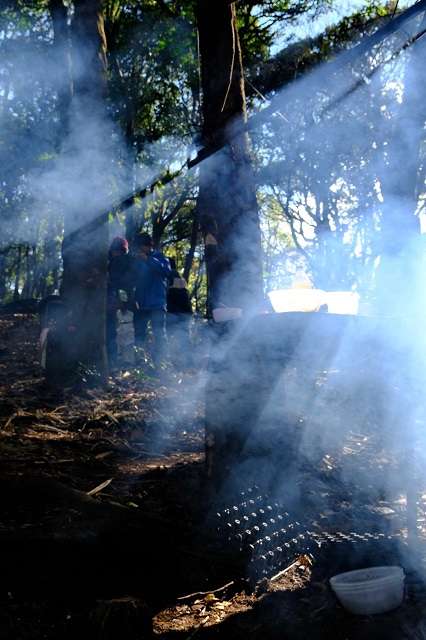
<point>148,284</point>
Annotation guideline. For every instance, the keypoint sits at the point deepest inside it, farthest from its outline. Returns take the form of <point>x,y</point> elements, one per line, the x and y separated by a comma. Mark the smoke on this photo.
<point>325,414</point>
<point>339,394</point>
<point>63,154</point>
<point>56,173</point>
<point>317,409</point>
<point>83,179</point>
<point>337,138</point>
<point>295,387</point>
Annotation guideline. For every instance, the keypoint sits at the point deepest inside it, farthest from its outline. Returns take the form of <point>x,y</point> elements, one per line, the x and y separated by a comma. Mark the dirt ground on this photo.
<point>74,462</point>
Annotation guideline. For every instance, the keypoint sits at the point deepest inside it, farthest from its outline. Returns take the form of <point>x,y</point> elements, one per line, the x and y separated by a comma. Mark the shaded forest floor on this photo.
<point>102,500</point>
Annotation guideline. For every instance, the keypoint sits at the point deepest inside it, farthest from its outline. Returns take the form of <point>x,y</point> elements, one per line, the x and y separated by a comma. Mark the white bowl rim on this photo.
<point>370,587</point>
<point>389,574</point>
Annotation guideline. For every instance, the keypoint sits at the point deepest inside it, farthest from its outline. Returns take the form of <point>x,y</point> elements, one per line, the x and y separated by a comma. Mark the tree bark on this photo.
<point>85,255</point>
<point>399,180</point>
<point>62,62</point>
<point>227,204</point>
<point>401,260</point>
<point>160,222</point>
<point>189,258</point>
<point>17,274</point>
<point>28,272</point>
<point>51,261</point>
<point>3,287</point>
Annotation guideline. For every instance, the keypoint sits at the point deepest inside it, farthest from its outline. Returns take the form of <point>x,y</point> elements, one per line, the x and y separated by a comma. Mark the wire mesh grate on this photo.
<point>272,538</point>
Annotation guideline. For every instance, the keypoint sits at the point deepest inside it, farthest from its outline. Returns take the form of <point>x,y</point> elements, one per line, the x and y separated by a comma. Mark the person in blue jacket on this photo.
<point>151,277</point>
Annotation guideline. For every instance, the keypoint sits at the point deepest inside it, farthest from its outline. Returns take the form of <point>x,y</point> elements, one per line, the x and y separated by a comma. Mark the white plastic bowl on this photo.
<point>370,591</point>
<point>288,300</point>
<point>285,300</point>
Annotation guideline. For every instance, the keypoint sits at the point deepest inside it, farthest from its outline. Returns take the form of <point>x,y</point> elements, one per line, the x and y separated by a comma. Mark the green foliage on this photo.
<point>153,72</point>
<point>154,96</point>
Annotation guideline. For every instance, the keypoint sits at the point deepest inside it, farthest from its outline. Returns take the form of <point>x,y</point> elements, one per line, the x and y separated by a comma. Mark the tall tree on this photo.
<point>400,266</point>
<point>85,257</point>
<point>61,61</point>
<point>227,203</point>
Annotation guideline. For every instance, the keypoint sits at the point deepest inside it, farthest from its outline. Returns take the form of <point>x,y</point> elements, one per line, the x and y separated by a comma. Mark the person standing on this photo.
<point>179,314</point>
<point>119,285</point>
<point>152,274</point>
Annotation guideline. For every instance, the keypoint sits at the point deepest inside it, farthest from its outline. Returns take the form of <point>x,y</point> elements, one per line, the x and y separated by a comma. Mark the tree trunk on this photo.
<point>189,258</point>
<point>28,273</point>
<point>17,274</point>
<point>400,177</point>
<point>400,262</point>
<point>157,232</point>
<point>131,227</point>
<point>85,256</point>
<point>62,61</point>
<point>3,287</point>
<point>227,203</point>
<point>47,264</point>
<point>38,273</point>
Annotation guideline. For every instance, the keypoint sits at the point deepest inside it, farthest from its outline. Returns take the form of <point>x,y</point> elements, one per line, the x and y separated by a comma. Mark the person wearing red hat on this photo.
<point>119,280</point>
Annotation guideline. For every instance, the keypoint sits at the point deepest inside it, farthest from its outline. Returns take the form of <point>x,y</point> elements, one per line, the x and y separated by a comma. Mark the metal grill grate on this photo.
<point>272,538</point>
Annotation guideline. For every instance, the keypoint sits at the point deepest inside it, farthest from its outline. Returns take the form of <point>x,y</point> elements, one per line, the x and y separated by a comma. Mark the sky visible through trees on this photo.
<point>318,174</point>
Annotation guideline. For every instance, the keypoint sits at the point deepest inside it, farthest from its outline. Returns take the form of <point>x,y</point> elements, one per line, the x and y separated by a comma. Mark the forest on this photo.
<point>212,301</point>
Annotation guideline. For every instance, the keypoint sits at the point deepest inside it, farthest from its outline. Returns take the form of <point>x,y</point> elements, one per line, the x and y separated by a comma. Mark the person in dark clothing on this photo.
<point>119,286</point>
<point>179,314</point>
<point>152,273</point>
<point>57,345</point>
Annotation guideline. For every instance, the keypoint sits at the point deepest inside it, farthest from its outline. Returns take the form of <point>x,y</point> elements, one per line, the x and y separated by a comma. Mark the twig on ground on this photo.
<point>284,571</point>
<point>205,593</point>
<point>62,461</point>
<point>103,455</point>
<point>100,487</point>
<point>9,422</point>
<point>46,427</point>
